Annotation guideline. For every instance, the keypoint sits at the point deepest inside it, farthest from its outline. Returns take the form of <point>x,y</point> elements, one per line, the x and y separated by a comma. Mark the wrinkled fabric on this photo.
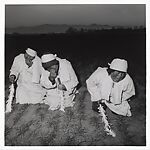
<point>67,77</point>
<point>37,70</point>
<point>45,82</point>
<point>101,86</point>
<point>28,88</point>
<point>54,98</point>
<point>121,109</point>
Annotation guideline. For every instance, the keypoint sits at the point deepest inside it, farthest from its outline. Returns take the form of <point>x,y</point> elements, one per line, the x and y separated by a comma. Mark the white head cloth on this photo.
<point>119,64</point>
<point>31,52</point>
<point>48,57</point>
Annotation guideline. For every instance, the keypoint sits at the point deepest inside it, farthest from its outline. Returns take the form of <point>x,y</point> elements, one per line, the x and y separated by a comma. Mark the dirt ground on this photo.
<point>30,124</point>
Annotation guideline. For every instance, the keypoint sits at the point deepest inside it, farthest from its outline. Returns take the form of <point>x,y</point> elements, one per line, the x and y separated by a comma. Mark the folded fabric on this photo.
<point>37,70</point>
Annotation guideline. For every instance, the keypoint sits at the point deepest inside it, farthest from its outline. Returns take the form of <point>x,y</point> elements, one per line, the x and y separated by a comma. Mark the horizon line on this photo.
<point>78,25</point>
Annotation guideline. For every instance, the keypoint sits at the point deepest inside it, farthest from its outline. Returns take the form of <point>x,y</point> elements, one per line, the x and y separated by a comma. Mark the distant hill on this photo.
<point>53,28</point>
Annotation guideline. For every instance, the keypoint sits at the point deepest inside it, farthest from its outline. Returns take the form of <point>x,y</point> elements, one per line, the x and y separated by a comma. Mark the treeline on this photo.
<point>121,29</point>
<point>73,30</point>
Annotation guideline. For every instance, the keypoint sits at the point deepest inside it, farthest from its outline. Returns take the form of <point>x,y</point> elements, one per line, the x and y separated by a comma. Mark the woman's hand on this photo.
<point>12,78</point>
<point>62,87</point>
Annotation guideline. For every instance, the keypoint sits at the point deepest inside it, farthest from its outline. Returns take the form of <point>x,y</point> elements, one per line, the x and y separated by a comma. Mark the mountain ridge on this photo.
<point>57,28</point>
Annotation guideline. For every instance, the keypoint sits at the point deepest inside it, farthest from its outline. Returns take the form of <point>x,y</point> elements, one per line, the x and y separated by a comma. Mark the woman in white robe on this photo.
<point>112,86</point>
<point>26,71</point>
<point>59,80</point>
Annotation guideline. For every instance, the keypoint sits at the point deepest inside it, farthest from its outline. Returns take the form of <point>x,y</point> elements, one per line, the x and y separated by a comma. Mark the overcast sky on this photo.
<point>110,14</point>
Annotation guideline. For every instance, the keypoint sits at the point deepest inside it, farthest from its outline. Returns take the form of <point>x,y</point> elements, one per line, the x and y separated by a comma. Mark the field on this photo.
<point>79,125</point>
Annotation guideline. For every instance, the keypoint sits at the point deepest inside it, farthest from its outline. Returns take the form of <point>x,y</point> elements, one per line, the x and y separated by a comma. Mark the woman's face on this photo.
<point>28,59</point>
<point>117,76</point>
<point>53,71</point>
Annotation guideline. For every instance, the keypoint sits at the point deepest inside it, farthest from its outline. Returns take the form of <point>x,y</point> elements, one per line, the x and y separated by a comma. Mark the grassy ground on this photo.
<point>79,125</point>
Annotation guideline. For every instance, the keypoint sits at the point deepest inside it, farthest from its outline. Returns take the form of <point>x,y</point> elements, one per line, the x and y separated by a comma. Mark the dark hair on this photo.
<point>110,70</point>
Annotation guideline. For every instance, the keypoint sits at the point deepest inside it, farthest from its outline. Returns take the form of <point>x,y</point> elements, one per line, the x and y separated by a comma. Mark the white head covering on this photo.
<point>31,52</point>
<point>119,64</point>
<point>48,57</point>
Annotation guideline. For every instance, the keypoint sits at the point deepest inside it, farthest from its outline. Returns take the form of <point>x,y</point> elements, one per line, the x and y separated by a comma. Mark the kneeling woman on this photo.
<point>112,87</point>
<point>59,80</point>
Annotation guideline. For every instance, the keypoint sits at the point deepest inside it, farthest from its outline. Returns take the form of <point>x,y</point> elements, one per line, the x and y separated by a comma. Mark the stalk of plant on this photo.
<point>61,92</point>
<point>10,98</point>
<point>62,100</point>
<point>107,127</point>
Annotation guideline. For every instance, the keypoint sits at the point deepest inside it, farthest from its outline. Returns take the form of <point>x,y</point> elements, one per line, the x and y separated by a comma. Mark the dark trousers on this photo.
<point>96,104</point>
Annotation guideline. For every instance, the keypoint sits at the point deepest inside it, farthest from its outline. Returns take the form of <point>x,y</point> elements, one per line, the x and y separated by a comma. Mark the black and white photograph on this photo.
<point>75,75</point>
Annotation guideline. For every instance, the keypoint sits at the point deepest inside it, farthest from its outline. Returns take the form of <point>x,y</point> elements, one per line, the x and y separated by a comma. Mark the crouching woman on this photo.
<point>112,87</point>
<point>59,80</point>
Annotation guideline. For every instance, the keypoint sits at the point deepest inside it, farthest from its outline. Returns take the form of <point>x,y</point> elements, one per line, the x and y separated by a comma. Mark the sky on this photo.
<point>108,14</point>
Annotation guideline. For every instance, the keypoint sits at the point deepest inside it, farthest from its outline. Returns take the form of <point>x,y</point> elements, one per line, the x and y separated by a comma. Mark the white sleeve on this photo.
<point>44,81</point>
<point>37,70</point>
<point>73,81</point>
<point>93,85</point>
<point>129,89</point>
<point>15,68</point>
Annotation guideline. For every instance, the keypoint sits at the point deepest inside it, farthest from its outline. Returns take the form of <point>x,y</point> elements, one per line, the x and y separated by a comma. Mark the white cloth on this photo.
<point>101,86</point>
<point>119,64</point>
<point>48,57</point>
<point>29,89</point>
<point>67,77</point>
<point>31,52</point>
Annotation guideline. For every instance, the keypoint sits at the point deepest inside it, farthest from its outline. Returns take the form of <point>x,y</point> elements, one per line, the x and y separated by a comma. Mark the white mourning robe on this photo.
<point>115,95</point>
<point>67,77</point>
<point>28,89</point>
